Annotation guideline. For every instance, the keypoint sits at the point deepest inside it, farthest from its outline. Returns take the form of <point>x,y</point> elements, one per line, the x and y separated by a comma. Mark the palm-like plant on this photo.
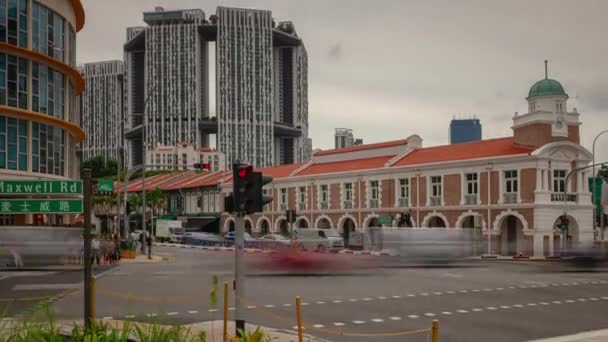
<point>134,200</point>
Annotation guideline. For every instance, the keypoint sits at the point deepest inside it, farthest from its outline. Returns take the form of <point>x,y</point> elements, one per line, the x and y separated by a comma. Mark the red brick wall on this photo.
<point>388,193</point>
<point>494,186</point>
<point>291,198</point>
<point>533,135</point>
<point>451,189</point>
<point>422,195</point>
<point>483,188</point>
<point>334,196</point>
<point>527,185</point>
<point>573,134</point>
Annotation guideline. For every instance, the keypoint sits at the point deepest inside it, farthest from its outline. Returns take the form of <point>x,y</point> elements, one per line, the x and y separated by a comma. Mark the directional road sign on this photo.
<point>40,187</point>
<point>40,206</point>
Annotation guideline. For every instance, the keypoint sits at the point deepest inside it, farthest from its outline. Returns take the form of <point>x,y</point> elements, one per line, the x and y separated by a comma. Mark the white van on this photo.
<point>318,238</point>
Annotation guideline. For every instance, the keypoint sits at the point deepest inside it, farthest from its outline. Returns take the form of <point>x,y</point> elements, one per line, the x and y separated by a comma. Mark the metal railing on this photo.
<point>560,197</point>
<point>509,197</point>
<point>470,199</point>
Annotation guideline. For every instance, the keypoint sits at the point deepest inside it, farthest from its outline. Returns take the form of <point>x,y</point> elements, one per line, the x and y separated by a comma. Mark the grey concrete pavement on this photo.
<point>497,301</point>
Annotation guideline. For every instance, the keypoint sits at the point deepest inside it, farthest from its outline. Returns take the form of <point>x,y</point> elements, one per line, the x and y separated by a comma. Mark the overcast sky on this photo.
<point>389,69</point>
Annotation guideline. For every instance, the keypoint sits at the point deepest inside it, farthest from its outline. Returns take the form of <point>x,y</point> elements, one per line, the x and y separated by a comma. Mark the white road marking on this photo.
<point>476,290</point>
<point>438,293</point>
<point>339,324</point>
<point>352,300</point>
<point>505,307</point>
<point>490,308</point>
<point>499,289</point>
<point>397,297</point>
<point>251,307</point>
<point>556,302</point>
<point>462,311</point>
<point>295,327</point>
<point>554,284</point>
<point>429,314</point>
<point>395,318</point>
<point>594,299</point>
<point>192,312</point>
<point>531,304</point>
<point>358,322</point>
<point>318,325</point>
<point>574,283</point>
<point>367,299</point>
<point>212,310</point>
<point>151,315</point>
<point>518,306</point>
<point>424,294</point>
<point>565,284</point>
<point>172,313</point>
<point>511,287</point>
<point>450,292</point>
<point>339,301</point>
<point>130,316</point>
<point>487,289</point>
<point>269,306</point>
<point>522,286</point>
<point>413,316</point>
<point>304,303</point>
<point>107,318</point>
<point>231,309</point>
<point>381,298</point>
<point>543,303</point>
<point>605,298</point>
<point>477,309</point>
<point>569,301</point>
<point>582,299</point>
<point>411,295</point>
<point>377,320</point>
<point>463,291</point>
<point>446,313</point>
<point>287,305</point>
<point>320,302</point>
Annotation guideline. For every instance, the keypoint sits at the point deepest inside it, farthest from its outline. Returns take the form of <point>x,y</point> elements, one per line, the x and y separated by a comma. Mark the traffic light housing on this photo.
<point>248,196</point>
<point>291,215</point>
<point>202,166</point>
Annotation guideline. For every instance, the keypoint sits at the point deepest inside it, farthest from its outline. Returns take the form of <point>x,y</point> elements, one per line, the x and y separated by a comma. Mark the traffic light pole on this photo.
<point>87,247</point>
<point>239,277</point>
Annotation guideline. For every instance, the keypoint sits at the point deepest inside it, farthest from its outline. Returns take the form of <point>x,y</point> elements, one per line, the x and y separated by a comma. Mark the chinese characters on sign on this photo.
<point>43,206</point>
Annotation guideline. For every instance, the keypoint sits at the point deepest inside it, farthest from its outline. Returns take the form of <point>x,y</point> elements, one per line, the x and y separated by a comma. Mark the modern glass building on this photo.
<point>39,89</point>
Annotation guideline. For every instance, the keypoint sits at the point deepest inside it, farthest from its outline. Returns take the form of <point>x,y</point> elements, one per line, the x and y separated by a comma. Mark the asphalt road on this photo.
<point>483,300</point>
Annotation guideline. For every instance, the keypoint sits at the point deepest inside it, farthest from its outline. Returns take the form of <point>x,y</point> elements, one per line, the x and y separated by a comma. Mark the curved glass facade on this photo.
<point>13,22</point>
<point>27,145</point>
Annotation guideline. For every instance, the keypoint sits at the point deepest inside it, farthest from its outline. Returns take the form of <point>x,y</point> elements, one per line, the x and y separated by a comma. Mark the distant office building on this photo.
<point>465,130</point>
<point>101,109</point>
<point>261,85</point>
<point>344,138</point>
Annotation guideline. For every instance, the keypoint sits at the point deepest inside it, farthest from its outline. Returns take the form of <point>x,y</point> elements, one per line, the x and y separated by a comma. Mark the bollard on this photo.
<point>92,298</point>
<point>225,312</point>
<point>435,331</point>
<point>299,317</point>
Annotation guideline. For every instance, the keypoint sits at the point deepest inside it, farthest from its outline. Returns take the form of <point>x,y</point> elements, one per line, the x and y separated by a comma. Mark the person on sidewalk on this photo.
<point>95,250</point>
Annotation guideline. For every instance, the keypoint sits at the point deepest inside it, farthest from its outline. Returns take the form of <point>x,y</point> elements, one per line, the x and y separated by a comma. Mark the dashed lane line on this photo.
<point>173,313</point>
<point>395,318</point>
<point>429,314</point>
<point>339,324</point>
<point>446,313</point>
<point>192,312</point>
<point>377,320</point>
<point>413,316</point>
<point>358,322</point>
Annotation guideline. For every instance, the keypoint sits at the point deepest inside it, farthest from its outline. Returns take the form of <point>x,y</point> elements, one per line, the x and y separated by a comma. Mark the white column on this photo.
<point>579,181</point>
<point>539,179</point>
<point>551,252</point>
<point>546,180</point>
<point>463,188</point>
<point>538,244</point>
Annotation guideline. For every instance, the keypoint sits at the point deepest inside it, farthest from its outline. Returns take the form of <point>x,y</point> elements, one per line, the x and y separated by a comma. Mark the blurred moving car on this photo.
<point>201,239</point>
<point>249,240</point>
<point>273,241</point>
<point>318,238</point>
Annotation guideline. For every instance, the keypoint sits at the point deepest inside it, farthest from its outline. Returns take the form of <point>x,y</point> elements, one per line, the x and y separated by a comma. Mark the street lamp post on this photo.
<point>593,199</point>
<point>143,181</point>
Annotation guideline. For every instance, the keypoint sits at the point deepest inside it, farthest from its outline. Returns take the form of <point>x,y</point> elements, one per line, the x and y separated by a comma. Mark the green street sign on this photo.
<point>385,220</point>
<point>105,186</point>
<point>40,206</point>
<point>40,187</point>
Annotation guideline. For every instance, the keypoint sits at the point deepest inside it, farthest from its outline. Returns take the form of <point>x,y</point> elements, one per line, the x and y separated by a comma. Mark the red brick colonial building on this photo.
<point>510,187</point>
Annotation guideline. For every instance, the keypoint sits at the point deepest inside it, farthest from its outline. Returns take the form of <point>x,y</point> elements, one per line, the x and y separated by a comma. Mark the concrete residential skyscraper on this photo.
<point>244,85</point>
<point>261,85</point>
<point>101,109</point>
<point>167,83</point>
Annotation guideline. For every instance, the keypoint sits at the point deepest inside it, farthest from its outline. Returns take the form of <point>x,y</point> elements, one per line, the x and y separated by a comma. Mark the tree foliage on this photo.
<point>603,173</point>
<point>100,168</point>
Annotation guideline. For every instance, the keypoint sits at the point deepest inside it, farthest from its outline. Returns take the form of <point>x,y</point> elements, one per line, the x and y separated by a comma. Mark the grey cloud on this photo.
<point>335,52</point>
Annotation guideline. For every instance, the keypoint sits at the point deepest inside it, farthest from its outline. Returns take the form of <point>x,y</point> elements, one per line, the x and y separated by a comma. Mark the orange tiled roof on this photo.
<point>201,180</point>
<point>151,182</point>
<point>363,147</point>
<point>346,165</point>
<point>471,150</point>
